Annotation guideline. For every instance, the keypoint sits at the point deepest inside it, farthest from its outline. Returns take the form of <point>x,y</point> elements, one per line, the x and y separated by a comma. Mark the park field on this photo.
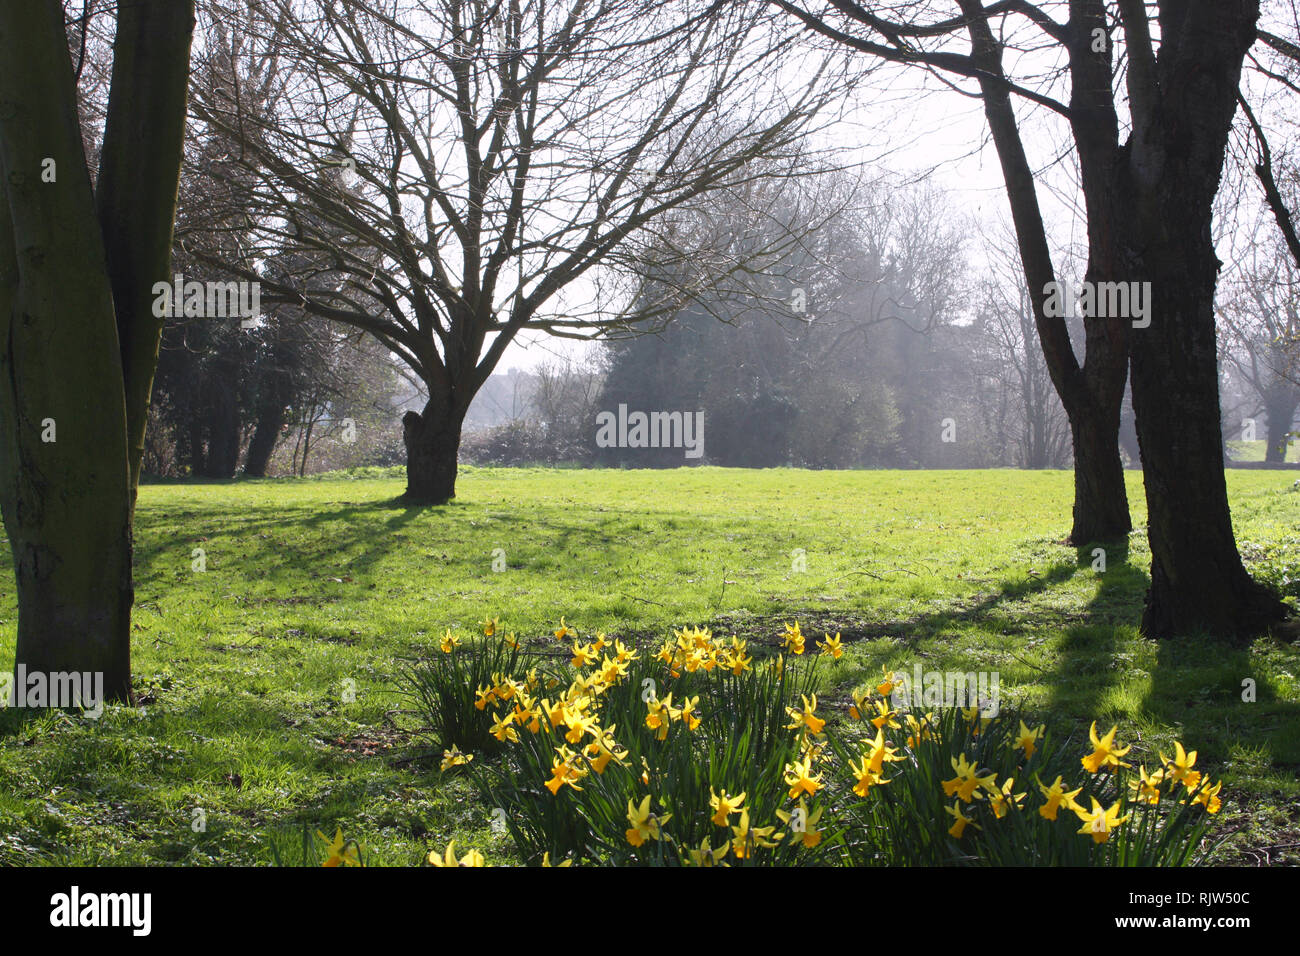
<point>275,620</point>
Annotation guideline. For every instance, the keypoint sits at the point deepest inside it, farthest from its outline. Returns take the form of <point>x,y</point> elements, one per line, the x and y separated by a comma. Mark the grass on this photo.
<point>317,592</point>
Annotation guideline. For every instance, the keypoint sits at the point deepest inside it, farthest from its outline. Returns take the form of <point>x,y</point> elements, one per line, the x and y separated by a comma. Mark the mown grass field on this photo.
<point>246,734</point>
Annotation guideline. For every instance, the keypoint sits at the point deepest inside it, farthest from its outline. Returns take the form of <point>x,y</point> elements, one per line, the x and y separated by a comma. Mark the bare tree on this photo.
<point>499,153</point>
<point>1149,169</point>
<point>1261,322</point>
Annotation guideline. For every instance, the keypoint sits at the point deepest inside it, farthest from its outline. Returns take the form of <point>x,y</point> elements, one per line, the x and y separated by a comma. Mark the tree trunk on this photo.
<point>270,423</point>
<point>432,441</point>
<point>1100,495</point>
<point>78,343</point>
<point>1182,119</point>
<point>1281,412</point>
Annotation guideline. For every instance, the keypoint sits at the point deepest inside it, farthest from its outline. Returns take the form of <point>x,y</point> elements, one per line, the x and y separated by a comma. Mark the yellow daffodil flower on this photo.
<point>1057,796</point>
<point>1146,789</point>
<point>645,825</point>
<point>803,825</point>
<point>338,852</point>
<point>967,780</point>
<point>1003,800</point>
<point>472,858</point>
<point>1106,752</point>
<point>1208,797</point>
<point>1180,768</point>
<point>454,758</point>
<point>793,638</point>
<point>961,821</point>
<point>1027,740</point>
<point>831,647</point>
<point>1099,822</point>
<point>724,806</point>
<point>800,778</point>
<point>746,839</point>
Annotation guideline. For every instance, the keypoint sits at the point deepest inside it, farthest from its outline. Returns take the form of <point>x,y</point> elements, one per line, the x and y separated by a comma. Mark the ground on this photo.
<point>247,732</point>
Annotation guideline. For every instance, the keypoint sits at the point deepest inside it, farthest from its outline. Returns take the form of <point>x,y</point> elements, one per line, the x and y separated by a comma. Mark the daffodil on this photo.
<point>802,824</point>
<point>564,631</point>
<point>886,686</point>
<point>800,778</point>
<point>724,806</point>
<point>546,861</point>
<point>688,712</point>
<point>603,749</point>
<point>831,647</point>
<point>1003,800</point>
<point>793,638</point>
<point>960,822</point>
<point>884,716</point>
<point>967,780</point>
<point>449,641</point>
<point>705,855</point>
<point>582,655</point>
<point>745,839</point>
<point>1208,797</point>
<point>338,852</point>
<point>807,717</point>
<point>564,770</point>
<point>1106,752</point>
<point>919,730</point>
<point>645,825</point>
<point>1057,796</point>
<point>1027,740</point>
<point>490,626</point>
<point>1180,768</point>
<point>472,858</point>
<point>661,712</point>
<point>454,758</point>
<point>504,728</point>
<point>1146,789</point>
<point>1099,822</point>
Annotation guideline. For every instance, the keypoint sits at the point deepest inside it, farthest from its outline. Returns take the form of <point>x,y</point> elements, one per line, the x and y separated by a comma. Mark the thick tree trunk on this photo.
<point>270,424</point>
<point>1281,412</point>
<point>78,343</point>
<point>1100,495</point>
<point>1198,582</point>
<point>223,435</point>
<point>62,411</point>
<point>432,439</point>
<point>1182,119</point>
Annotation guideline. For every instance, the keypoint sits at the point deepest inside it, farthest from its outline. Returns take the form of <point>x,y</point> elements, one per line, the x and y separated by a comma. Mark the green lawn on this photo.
<point>315,586</point>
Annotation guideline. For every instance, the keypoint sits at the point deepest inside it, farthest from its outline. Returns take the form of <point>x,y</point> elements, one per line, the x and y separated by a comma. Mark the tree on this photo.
<point>1261,320</point>
<point>1148,191</point>
<point>80,341</point>
<point>499,153</point>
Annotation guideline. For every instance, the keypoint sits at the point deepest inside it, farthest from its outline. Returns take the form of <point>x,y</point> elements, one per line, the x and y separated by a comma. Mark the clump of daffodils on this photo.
<point>625,744</point>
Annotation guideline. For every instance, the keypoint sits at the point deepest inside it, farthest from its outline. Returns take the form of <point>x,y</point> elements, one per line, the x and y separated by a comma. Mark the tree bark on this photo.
<point>1198,581</point>
<point>71,354</point>
<point>1100,494</point>
<point>270,424</point>
<point>1281,412</point>
<point>432,440</point>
